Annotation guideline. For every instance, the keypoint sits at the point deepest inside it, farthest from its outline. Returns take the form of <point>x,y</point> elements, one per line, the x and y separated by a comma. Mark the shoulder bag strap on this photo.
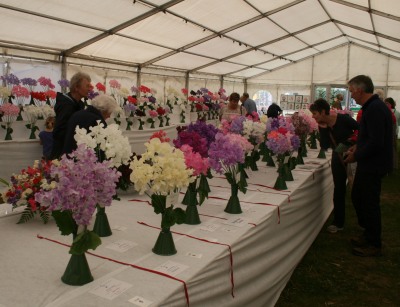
<point>335,145</point>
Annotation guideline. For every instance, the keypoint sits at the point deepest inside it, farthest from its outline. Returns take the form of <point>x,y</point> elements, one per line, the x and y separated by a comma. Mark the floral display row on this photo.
<point>67,189</point>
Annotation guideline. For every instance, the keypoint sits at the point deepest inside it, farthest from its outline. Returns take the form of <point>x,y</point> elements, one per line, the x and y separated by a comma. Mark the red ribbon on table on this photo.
<point>249,202</point>
<point>207,241</point>
<point>127,264</point>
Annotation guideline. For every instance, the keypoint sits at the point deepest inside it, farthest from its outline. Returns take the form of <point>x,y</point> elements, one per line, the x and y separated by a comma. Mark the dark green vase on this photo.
<point>192,215</point>
<point>299,159</point>
<point>77,272</point>
<point>233,206</point>
<point>191,194</point>
<point>321,154</point>
<point>165,243</point>
<point>101,226</point>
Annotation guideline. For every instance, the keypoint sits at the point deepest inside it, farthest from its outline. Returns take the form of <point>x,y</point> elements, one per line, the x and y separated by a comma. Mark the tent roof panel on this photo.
<point>266,6</point>
<point>215,14</point>
<point>302,54</point>
<point>359,34</point>
<point>359,2</point>
<point>347,14</point>
<point>94,13</point>
<point>249,72</point>
<point>262,30</point>
<point>274,64</point>
<point>389,44</point>
<point>333,43</point>
<point>116,48</point>
<point>297,17</point>
<point>319,34</point>
<point>388,7</point>
<point>251,58</point>
<point>284,46</point>
<point>34,30</point>
<point>217,48</point>
<point>184,60</point>
<point>222,68</point>
<point>165,29</point>
<point>387,26</point>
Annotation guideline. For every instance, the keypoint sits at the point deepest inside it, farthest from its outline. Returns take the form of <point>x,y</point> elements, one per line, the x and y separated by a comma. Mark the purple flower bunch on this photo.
<point>206,131</point>
<point>237,124</point>
<point>279,122</point>
<point>225,153</point>
<point>83,182</point>
<point>11,79</point>
<point>282,141</point>
<point>194,140</point>
<point>29,82</point>
<point>92,94</point>
<point>63,82</point>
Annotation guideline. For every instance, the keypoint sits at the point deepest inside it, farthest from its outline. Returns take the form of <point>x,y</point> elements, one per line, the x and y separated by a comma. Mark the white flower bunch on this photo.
<point>108,139</point>
<point>32,113</point>
<point>254,131</point>
<point>161,169</point>
<point>47,111</point>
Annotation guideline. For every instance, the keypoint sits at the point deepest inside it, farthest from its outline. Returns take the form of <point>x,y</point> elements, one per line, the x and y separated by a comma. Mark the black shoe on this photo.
<point>359,241</point>
<point>367,251</point>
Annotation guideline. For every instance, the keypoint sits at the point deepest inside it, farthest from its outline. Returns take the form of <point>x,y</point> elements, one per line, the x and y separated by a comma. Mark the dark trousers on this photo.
<point>366,200</point>
<point>339,174</point>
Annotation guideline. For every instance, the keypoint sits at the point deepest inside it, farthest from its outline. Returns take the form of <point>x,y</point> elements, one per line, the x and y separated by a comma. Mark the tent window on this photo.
<point>263,100</point>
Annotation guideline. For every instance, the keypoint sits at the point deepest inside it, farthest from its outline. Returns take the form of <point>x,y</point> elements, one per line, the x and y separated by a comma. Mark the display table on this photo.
<point>251,255</point>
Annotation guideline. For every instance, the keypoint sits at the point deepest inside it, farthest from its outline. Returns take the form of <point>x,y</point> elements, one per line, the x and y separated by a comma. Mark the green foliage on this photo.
<point>26,215</point>
<point>65,223</point>
<point>5,182</point>
<point>159,203</point>
<point>45,216</point>
<point>84,241</point>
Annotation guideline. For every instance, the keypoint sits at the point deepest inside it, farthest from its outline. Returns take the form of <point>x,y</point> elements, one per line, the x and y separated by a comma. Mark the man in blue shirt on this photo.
<point>248,104</point>
<point>374,155</point>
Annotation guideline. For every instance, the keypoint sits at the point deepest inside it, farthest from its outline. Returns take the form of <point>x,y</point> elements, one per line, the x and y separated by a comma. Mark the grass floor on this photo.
<point>329,275</point>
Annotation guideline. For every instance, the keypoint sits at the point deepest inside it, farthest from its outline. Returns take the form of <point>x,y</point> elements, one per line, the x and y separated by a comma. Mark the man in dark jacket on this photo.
<point>374,155</point>
<point>66,105</point>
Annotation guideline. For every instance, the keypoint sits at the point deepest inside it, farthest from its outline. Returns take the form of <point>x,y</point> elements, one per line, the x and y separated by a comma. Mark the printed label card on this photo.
<point>171,268</point>
<point>140,301</point>
<point>121,245</point>
<point>111,288</point>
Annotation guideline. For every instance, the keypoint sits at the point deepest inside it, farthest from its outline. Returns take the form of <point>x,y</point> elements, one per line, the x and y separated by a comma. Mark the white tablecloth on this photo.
<point>266,248</point>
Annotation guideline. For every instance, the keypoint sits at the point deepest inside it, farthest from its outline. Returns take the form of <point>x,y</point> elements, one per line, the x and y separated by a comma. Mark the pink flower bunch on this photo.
<point>242,141</point>
<point>46,83</point>
<point>8,109</point>
<point>114,84</point>
<point>20,91</point>
<point>161,135</point>
<point>195,161</point>
<point>152,113</point>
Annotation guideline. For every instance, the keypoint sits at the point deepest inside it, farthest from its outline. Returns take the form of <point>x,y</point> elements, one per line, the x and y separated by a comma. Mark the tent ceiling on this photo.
<point>234,38</point>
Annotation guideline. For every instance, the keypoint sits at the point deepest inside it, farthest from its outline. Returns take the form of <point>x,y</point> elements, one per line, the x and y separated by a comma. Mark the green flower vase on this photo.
<point>233,206</point>
<point>299,158</point>
<point>77,272</point>
<point>101,225</point>
<point>280,183</point>
<point>32,136</point>
<point>9,131</point>
<point>321,154</point>
<point>303,147</point>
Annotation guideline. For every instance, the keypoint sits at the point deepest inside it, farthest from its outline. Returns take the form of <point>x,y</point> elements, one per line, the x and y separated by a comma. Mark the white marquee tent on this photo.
<point>279,46</point>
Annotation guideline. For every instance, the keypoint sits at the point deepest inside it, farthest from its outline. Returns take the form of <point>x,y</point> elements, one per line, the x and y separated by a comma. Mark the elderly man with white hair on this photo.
<point>100,109</point>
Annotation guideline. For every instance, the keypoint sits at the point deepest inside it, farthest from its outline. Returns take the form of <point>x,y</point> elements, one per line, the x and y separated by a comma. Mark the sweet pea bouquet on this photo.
<point>33,113</point>
<point>160,171</point>
<point>73,197</point>
<point>9,113</point>
<point>24,186</point>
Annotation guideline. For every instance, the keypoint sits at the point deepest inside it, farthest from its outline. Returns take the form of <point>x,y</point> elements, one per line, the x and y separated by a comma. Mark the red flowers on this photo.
<point>160,135</point>
<point>132,100</point>
<point>144,89</point>
<point>101,87</point>
<point>160,111</point>
<point>41,96</point>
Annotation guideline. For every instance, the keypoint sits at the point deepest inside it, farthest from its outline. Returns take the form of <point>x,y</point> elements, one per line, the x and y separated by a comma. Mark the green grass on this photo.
<point>329,275</point>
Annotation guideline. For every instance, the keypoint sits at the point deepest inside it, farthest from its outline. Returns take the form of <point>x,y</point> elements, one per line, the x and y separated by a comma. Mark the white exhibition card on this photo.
<point>119,228</point>
<point>237,221</point>
<point>121,245</point>
<point>171,268</point>
<point>194,255</point>
<point>111,288</point>
<point>140,301</point>
<point>209,227</point>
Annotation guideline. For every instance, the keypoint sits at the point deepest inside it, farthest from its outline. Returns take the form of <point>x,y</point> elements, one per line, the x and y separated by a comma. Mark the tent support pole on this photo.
<point>139,77</point>
<point>63,67</point>
<point>221,82</point>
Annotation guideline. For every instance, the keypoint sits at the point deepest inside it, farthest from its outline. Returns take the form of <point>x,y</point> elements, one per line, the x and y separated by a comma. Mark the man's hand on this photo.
<point>349,155</point>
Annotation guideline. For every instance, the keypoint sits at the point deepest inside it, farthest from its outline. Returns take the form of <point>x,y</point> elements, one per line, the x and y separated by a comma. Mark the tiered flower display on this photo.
<point>24,187</point>
<point>159,172</point>
<point>73,198</point>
